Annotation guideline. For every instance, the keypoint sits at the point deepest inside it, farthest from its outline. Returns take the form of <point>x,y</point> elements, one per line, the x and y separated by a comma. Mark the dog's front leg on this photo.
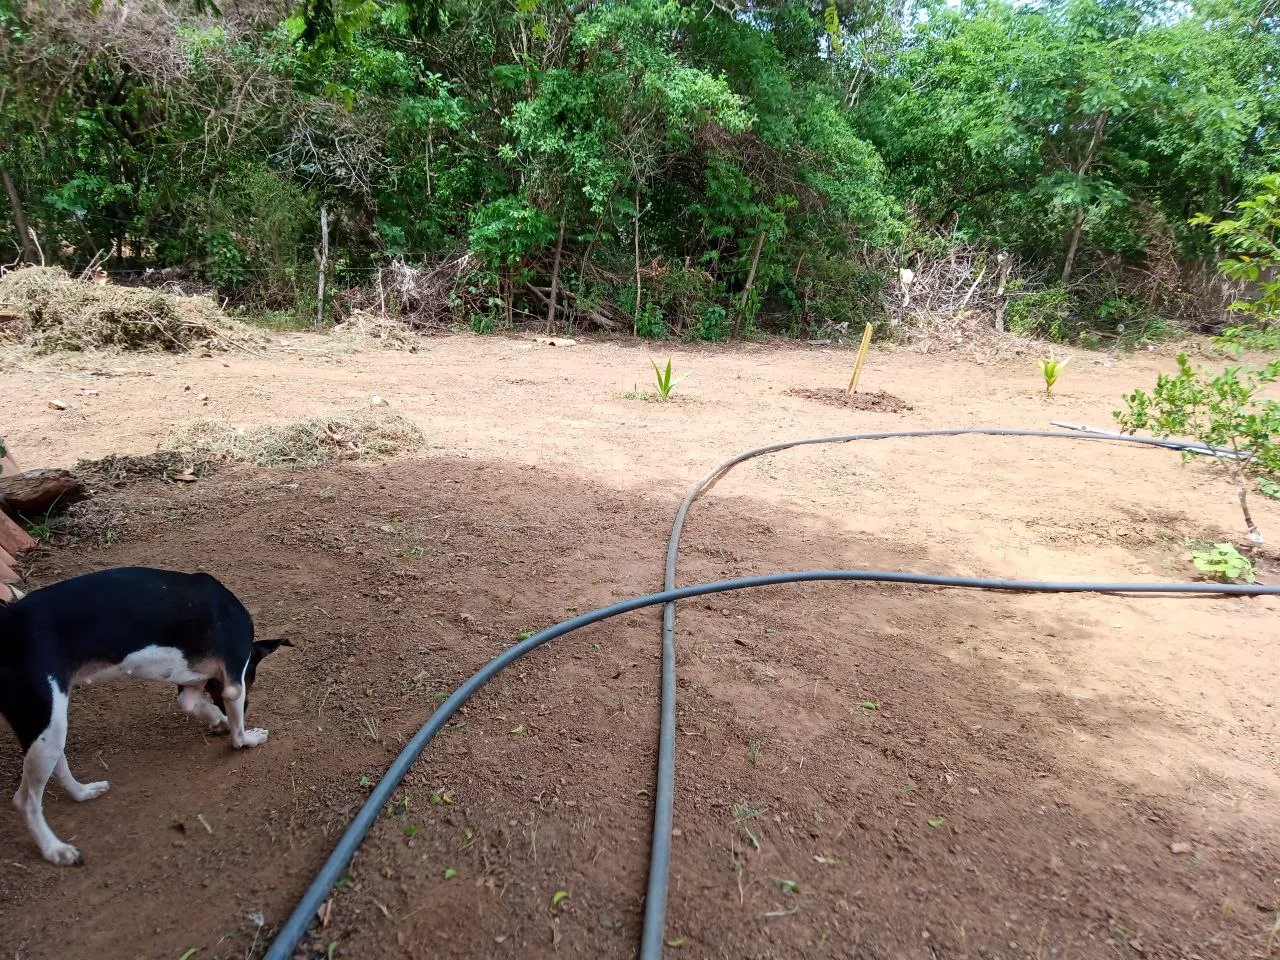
<point>240,737</point>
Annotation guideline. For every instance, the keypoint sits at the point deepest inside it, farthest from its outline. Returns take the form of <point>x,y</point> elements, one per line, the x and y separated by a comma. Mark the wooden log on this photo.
<point>13,539</point>
<point>35,492</point>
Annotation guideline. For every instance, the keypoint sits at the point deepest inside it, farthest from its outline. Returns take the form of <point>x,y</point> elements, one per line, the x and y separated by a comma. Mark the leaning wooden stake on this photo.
<point>862,357</point>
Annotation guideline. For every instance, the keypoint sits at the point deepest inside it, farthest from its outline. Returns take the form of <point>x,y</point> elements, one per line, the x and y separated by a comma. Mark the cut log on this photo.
<point>36,492</point>
<point>13,539</point>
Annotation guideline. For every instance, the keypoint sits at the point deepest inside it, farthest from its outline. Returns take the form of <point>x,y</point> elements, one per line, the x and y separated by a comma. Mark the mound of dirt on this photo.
<point>878,401</point>
<point>44,309</point>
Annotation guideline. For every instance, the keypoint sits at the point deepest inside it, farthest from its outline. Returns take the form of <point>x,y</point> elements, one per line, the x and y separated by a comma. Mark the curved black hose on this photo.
<point>295,927</point>
<point>655,903</point>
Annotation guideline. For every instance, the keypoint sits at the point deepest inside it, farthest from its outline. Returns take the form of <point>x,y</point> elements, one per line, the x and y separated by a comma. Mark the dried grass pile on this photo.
<point>45,310</point>
<point>302,443</point>
<point>365,328</point>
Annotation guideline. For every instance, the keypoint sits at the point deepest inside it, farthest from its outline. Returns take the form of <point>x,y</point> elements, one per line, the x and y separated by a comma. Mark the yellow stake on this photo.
<point>862,356</point>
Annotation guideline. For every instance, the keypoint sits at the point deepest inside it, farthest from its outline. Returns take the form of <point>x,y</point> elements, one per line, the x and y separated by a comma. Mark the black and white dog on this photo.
<point>183,628</point>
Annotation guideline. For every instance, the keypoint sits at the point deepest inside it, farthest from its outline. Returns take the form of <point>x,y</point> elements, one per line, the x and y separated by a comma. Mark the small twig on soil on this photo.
<point>203,822</point>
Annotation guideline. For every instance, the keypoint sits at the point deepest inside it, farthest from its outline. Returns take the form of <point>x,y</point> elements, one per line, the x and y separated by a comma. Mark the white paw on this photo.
<point>219,725</point>
<point>250,738</point>
<point>90,791</point>
<point>64,855</point>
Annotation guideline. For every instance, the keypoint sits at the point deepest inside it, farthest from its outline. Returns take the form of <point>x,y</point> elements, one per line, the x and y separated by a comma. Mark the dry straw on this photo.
<point>45,310</point>
<point>302,443</point>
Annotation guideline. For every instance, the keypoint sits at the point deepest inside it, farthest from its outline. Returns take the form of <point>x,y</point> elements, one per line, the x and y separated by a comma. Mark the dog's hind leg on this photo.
<point>43,756</point>
<point>191,699</point>
<point>77,791</point>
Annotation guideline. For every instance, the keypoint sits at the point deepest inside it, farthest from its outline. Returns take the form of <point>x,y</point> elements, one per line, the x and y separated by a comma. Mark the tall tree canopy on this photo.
<point>697,166</point>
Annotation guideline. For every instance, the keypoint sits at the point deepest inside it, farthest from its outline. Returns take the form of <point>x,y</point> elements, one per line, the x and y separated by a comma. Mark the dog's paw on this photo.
<point>250,738</point>
<point>64,855</point>
<point>91,791</point>
<point>219,725</point>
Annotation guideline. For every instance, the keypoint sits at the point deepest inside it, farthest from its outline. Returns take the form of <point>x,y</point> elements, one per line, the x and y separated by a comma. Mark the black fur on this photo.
<point>101,618</point>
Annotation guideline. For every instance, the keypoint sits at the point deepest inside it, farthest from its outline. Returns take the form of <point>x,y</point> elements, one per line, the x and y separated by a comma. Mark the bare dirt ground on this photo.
<point>869,772</point>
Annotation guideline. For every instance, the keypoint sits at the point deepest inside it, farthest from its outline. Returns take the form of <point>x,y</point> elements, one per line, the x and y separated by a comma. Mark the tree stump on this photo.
<point>34,493</point>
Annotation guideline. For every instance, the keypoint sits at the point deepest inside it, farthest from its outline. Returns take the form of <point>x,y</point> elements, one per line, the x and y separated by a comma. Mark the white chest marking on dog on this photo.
<point>150,663</point>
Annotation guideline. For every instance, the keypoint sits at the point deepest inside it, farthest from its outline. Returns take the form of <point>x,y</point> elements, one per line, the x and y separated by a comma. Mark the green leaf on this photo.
<point>450,873</point>
<point>937,822</point>
<point>557,898</point>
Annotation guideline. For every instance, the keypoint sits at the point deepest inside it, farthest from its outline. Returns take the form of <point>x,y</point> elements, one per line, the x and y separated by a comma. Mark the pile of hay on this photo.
<point>45,310</point>
<point>303,443</point>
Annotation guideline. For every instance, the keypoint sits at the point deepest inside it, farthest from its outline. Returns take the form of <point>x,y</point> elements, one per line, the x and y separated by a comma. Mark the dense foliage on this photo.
<point>695,167</point>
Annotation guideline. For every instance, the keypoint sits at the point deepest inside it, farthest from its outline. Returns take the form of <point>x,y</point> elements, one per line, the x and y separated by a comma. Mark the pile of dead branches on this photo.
<point>432,295</point>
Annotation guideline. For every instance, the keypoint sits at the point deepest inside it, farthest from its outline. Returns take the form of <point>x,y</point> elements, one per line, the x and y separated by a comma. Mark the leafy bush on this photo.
<point>1047,314</point>
<point>1225,412</point>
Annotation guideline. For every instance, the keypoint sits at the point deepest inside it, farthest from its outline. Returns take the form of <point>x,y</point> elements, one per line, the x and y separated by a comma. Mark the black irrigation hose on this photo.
<point>295,927</point>
<point>655,903</point>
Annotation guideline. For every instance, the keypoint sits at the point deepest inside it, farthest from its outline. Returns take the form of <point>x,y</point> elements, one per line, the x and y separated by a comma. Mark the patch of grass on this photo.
<point>282,321</point>
<point>302,443</point>
<point>753,752</point>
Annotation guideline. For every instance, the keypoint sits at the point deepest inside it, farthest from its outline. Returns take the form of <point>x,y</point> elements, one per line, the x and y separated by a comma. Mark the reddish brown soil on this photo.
<point>870,772</point>
<point>835,397</point>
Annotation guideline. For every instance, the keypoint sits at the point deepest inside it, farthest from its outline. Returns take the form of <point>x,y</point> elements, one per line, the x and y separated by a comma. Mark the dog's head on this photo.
<point>261,648</point>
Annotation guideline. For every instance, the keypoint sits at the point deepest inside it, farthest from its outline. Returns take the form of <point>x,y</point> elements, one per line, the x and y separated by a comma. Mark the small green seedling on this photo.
<point>1224,563</point>
<point>558,898</point>
<point>788,886</point>
<point>1050,368</point>
<point>1269,488</point>
<point>666,384</point>
<point>450,873</point>
<point>936,822</point>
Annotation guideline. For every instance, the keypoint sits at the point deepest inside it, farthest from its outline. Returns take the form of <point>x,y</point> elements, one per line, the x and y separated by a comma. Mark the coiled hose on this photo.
<point>295,927</point>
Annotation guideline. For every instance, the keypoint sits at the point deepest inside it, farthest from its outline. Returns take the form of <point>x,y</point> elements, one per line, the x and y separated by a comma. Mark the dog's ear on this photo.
<point>263,647</point>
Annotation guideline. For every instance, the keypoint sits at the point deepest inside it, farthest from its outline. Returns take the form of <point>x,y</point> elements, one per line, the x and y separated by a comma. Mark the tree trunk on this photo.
<point>1099,128</point>
<point>1000,299</point>
<point>1237,468</point>
<point>1073,243</point>
<point>36,492</point>
<point>19,218</point>
<point>322,257</point>
<point>751,278</point>
<point>635,324</point>
<point>555,279</point>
